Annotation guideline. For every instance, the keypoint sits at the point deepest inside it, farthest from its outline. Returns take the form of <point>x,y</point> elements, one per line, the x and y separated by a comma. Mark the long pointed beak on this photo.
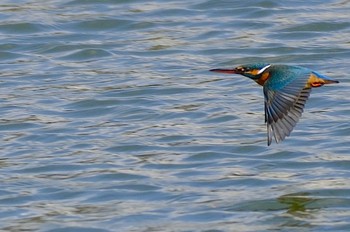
<point>227,71</point>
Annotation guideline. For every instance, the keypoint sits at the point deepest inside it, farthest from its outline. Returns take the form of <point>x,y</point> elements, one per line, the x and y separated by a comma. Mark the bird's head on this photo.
<point>253,71</point>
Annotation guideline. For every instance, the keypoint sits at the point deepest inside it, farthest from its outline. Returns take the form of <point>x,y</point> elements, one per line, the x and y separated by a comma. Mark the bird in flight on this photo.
<point>286,89</point>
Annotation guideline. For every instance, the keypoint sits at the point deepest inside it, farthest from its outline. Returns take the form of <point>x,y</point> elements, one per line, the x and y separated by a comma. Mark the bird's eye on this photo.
<point>242,69</point>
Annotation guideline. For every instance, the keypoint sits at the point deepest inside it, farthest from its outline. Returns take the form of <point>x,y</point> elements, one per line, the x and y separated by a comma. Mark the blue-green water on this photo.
<point>110,120</point>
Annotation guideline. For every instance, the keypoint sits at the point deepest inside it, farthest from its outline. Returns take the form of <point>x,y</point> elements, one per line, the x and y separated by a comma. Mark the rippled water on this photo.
<point>110,120</point>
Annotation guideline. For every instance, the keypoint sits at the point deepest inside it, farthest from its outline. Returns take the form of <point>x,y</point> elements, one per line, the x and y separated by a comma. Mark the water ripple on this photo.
<point>110,118</point>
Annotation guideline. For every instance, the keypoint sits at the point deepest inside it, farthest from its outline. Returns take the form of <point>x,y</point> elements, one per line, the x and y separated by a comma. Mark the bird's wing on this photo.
<point>284,106</point>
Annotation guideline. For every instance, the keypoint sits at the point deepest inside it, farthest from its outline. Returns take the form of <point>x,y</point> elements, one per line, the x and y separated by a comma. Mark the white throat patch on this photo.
<point>263,69</point>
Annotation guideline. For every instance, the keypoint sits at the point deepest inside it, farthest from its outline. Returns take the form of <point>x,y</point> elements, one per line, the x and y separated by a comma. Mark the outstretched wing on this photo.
<point>284,106</point>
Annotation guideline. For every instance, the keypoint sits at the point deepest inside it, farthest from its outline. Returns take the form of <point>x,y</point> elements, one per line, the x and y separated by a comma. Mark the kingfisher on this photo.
<point>286,89</point>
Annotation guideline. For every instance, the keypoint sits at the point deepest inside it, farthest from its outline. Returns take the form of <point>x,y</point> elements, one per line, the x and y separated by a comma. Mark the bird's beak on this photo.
<point>227,71</point>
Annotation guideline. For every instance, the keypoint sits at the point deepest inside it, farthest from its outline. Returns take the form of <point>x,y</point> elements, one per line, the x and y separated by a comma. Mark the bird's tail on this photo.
<point>317,80</point>
<point>330,81</point>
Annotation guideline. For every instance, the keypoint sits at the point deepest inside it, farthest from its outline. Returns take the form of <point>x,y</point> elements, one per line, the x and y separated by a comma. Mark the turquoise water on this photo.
<point>110,120</point>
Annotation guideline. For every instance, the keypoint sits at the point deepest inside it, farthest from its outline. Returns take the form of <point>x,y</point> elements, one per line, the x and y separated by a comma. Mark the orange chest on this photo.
<point>264,77</point>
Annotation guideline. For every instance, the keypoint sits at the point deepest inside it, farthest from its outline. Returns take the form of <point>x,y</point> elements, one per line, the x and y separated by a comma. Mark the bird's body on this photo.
<point>286,90</point>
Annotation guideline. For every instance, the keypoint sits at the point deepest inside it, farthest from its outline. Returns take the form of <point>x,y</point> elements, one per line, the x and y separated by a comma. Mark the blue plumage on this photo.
<point>286,90</point>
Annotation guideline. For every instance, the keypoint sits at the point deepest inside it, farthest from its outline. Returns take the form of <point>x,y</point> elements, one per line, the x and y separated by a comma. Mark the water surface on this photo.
<point>110,120</point>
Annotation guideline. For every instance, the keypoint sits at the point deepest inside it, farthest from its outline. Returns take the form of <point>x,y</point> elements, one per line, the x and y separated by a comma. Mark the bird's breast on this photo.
<point>264,77</point>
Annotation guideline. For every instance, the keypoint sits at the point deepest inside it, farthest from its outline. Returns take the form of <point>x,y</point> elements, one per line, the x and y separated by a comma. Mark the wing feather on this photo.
<point>284,107</point>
